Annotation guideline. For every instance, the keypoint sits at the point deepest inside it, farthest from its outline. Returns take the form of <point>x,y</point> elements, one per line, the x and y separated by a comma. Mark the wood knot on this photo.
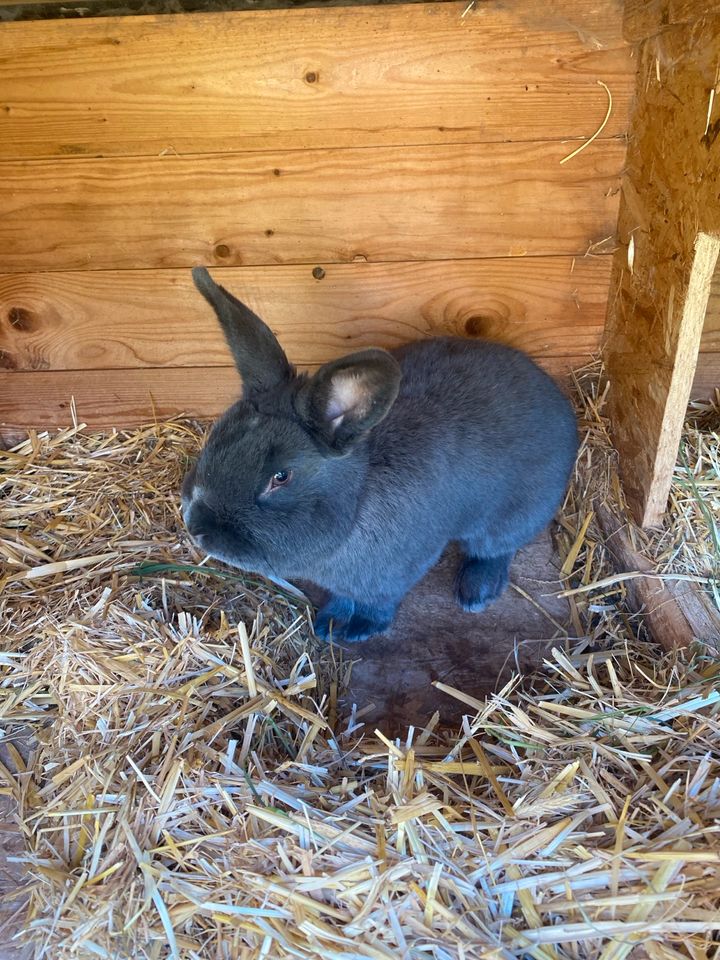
<point>311,77</point>
<point>7,361</point>
<point>222,251</point>
<point>21,319</point>
<point>318,273</point>
<point>477,326</point>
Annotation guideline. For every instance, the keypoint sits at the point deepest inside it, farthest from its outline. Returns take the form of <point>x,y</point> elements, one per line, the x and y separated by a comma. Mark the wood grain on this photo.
<point>117,398</point>
<point>284,79</point>
<point>548,306</point>
<point>657,308</point>
<point>388,203</point>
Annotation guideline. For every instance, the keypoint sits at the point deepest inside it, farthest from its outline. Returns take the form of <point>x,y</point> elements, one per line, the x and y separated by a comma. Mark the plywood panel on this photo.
<point>671,212</point>
<point>309,78</point>
<point>326,205</point>
<point>548,306</point>
<point>645,18</point>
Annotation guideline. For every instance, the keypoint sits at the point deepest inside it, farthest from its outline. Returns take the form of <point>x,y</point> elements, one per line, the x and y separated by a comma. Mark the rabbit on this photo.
<point>358,476</point>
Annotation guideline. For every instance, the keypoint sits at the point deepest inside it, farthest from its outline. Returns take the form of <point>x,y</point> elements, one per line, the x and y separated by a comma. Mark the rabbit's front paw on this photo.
<point>345,621</point>
<point>332,618</point>
<point>481,580</point>
<point>360,627</point>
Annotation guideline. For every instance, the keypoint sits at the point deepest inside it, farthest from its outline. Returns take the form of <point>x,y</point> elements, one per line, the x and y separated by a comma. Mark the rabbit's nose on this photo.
<point>199,534</point>
<point>200,539</point>
<point>199,520</point>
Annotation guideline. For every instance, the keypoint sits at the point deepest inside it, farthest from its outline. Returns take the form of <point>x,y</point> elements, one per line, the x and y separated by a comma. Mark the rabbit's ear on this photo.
<point>260,359</point>
<point>347,397</point>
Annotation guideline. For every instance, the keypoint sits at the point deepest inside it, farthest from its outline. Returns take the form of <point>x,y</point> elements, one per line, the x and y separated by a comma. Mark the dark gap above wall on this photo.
<point>61,9</point>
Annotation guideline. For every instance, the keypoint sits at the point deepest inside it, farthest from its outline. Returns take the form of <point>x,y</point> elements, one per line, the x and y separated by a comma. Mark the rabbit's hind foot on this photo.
<point>481,580</point>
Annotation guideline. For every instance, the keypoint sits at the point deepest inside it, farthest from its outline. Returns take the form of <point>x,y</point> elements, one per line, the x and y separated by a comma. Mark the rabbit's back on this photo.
<point>498,421</point>
<point>487,423</point>
<point>478,445</point>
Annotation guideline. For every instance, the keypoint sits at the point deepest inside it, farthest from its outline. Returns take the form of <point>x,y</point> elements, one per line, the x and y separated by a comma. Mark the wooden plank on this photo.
<point>388,203</point>
<point>286,79</point>
<point>684,362</point>
<point>107,398</point>
<point>117,398</point>
<point>548,306</point>
<point>660,292</point>
<point>649,598</point>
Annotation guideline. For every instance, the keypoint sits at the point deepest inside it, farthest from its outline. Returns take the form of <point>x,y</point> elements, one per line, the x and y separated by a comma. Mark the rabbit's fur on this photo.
<point>389,456</point>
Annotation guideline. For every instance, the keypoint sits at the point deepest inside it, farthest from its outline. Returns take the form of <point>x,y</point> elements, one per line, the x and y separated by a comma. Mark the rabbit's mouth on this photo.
<point>216,539</point>
<point>248,562</point>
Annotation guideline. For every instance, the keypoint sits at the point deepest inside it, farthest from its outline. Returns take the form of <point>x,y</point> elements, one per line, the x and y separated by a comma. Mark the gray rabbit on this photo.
<point>357,477</point>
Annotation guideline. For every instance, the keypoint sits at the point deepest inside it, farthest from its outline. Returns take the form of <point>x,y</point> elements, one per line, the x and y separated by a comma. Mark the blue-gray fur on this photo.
<point>476,446</point>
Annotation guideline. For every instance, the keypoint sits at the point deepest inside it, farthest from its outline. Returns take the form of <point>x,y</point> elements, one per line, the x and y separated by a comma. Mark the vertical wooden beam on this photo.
<point>668,243</point>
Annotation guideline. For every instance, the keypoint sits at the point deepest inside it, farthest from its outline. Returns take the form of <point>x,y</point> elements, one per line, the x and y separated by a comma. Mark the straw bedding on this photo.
<point>199,789</point>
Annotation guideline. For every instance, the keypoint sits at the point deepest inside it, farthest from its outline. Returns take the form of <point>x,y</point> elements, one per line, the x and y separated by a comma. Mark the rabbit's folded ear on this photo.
<point>349,396</point>
<point>258,356</point>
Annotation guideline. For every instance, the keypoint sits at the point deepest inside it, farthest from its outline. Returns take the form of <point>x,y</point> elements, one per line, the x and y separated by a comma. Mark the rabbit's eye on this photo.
<point>280,478</point>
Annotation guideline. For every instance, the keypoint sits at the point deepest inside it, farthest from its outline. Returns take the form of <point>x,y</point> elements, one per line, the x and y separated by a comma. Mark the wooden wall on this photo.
<point>360,175</point>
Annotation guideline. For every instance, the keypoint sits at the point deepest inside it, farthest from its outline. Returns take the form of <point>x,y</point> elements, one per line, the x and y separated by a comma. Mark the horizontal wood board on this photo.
<point>548,306</point>
<point>106,398</point>
<point>415,203</point>
<point>298,79</point>
<point>117,398</point>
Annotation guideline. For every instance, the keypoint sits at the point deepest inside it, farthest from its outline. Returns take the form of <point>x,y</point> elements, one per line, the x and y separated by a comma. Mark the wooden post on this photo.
<point>669,239</point>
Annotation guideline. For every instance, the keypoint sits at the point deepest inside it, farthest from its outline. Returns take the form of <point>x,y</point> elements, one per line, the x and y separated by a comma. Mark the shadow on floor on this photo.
<point>432,638</point>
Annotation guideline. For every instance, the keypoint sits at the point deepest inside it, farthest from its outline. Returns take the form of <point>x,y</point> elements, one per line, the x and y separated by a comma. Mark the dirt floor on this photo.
<point>433,639</point>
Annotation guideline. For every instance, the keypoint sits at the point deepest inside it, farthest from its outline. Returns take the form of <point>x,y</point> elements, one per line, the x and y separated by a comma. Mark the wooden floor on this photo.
<point>358,174</point>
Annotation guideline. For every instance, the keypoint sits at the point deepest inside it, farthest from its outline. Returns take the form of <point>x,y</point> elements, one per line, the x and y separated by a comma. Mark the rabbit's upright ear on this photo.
<point>347,397</point>
<point>260,359</point>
